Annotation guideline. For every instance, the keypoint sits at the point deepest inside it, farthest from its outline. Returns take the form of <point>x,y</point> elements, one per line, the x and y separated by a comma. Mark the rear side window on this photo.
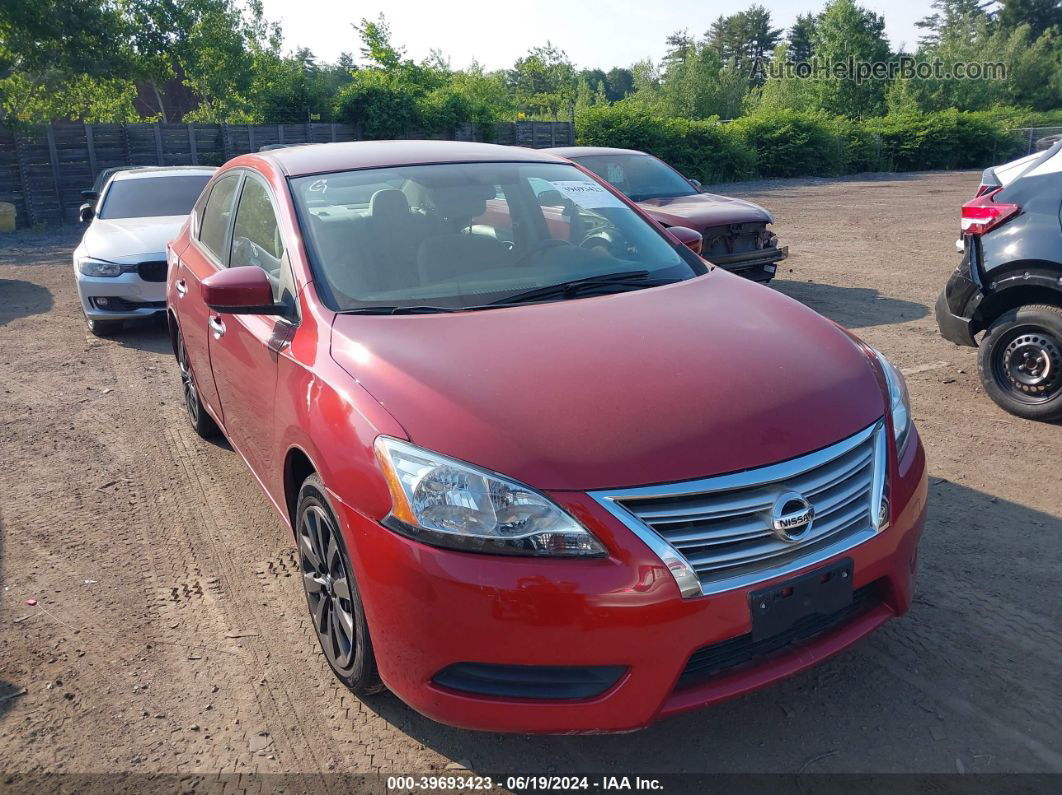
<point>216,215</point>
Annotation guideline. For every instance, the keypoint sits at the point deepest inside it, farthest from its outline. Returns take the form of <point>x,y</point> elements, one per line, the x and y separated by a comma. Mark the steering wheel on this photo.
<point>539,247</point>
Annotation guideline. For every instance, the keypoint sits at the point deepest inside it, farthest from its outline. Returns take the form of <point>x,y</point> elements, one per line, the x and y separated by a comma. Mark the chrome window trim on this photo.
<point>689,583</point>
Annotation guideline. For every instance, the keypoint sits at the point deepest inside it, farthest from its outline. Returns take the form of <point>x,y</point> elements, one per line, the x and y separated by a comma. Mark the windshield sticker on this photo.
<point>587,194</point>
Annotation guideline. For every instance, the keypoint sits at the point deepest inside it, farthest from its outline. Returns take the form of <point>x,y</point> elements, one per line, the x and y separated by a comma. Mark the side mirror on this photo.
<point>86,213</point>
<point>244,290</point>
<point>690,238</point>
<point>696,183</point>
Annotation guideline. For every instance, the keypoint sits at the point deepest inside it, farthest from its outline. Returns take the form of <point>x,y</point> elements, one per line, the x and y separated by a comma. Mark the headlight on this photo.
<point>442,501</point>
<point>97,267</point>
<point>899,402</point>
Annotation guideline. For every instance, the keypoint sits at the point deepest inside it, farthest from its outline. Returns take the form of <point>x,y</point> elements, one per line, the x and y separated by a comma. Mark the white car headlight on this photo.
<point>448,503</point>
<point>98,267</point>
<point>899,401</point>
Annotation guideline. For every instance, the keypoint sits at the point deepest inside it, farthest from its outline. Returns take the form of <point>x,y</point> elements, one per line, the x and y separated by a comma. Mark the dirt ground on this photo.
<point>169,633</point>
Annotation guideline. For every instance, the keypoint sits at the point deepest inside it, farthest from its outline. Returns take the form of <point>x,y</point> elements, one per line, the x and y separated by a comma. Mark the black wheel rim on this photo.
<point>328,592</point>
<point>1027,363</point>
<point>191,397</point>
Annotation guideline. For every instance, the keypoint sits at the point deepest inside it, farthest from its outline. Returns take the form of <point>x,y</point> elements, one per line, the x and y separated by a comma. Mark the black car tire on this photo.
<point>104,328</point>
<point>198,416</point>
<point>332,595</point>
<point>1020,362</point>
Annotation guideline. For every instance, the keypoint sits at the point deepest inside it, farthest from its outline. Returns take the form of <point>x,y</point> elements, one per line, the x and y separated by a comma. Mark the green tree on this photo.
<point>1039,15</point>
<point>63,59</point>
<point>543,82</point>
<point>801,39</point>
<point>618,84</point>
<point>846,31</point>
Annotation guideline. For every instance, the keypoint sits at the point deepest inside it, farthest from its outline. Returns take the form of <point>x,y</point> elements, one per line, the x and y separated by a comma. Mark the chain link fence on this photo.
<point>1036,139</point>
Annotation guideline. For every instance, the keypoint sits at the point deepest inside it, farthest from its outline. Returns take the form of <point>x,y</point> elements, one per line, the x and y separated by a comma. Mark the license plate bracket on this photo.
<point>779,607</point>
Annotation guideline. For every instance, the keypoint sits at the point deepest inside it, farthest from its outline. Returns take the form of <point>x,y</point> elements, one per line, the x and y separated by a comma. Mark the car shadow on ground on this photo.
<point>21,298</point>
<point>145,334</point>
<point>954,679</point>
<point>852,307</point>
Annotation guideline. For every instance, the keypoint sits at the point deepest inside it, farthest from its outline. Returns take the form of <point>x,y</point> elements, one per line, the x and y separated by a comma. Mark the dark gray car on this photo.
<point>1009,285</point>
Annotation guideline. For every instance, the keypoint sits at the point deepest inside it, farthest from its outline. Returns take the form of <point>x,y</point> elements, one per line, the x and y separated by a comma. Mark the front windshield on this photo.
<point>467,234</point>
<point>149,197</point>
<point>639,177</point>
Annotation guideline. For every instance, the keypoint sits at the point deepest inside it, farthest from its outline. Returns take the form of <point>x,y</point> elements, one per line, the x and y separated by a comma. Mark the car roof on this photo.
<point>320,158</point>
<point>140,172</point>
<point>584,151</point>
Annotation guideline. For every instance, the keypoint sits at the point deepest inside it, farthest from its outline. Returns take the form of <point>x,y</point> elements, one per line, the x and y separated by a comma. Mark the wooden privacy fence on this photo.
<point>43,169</point>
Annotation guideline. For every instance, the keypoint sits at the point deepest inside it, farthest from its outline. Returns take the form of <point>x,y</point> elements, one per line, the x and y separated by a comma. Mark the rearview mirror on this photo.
<point>244,290</point>
<point>550,198</point>
<point>85,213</point>
<point>690,238</point>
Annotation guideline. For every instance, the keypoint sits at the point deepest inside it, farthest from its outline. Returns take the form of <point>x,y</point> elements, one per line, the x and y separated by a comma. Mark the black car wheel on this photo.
<point>1020,361</point>
<point>198,416</point>
<point>104,328</point>
<point>332,593</point>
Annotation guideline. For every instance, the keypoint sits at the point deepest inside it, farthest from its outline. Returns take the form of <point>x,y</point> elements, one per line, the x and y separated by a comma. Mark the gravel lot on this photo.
<point>169,632</point>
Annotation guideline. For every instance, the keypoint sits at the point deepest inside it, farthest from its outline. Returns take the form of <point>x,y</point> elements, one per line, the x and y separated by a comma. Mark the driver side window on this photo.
<point>256,240</point>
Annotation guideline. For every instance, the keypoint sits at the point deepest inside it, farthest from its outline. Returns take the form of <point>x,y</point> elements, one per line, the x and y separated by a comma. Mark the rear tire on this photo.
<point>104,328</point>
<point>198,417</point>
<point>332,595</point>
<point>1020,362</point>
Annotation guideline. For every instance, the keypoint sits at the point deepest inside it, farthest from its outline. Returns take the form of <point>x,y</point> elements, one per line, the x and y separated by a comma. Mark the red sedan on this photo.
<point>547,470</point>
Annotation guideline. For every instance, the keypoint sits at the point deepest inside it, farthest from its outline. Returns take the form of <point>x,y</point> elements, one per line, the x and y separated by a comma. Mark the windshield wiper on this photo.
<point>570,289</point>
<point>399,310</point>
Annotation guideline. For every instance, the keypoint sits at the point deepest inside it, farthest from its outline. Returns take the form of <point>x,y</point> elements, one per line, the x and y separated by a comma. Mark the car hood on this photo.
<point>712,375</point>
<point>125,239</point>
<point>704,210</point>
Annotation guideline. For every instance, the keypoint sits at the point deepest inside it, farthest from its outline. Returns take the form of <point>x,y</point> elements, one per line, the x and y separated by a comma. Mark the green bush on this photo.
<point>944,140</point>
<point>791,143</point>
<point>704,150</point>
<point>788,143</point>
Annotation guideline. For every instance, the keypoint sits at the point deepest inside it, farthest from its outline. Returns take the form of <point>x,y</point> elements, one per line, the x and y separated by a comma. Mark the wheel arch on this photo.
<point>171,329</point>
<point>298,465</point>
<point>1022,284</point>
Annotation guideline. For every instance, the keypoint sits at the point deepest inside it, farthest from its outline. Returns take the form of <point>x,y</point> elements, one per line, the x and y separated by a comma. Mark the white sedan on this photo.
<point>120,264</point>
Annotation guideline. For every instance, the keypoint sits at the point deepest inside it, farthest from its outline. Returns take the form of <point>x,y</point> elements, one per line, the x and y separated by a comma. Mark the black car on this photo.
<point>1009,285</point>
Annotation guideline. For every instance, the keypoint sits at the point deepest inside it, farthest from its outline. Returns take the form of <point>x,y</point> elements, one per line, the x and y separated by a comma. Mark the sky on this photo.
<point>603,34</point>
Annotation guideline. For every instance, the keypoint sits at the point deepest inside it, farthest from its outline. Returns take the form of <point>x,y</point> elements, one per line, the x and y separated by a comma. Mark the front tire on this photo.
<point>104,328</point>
<point>332,593</point>
<point>1020,362</point>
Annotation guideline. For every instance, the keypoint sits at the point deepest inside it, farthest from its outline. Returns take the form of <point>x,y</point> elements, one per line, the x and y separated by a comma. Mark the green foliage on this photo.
<point>947,139</point>
<point>789,143</point>
<point>704,150</point>
<point>544,83</point>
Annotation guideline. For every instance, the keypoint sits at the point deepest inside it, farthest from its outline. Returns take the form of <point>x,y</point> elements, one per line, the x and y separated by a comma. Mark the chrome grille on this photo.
<point>720,527</point>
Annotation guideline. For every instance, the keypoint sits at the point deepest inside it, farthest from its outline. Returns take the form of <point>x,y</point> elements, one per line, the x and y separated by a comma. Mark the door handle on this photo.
<point>216,326</point>
<point>181,287</point>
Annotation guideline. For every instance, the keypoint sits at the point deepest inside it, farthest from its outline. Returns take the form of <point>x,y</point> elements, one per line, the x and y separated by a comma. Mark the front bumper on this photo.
<point>759,266</point>
<point>135,296</point>
<point>430,609</point>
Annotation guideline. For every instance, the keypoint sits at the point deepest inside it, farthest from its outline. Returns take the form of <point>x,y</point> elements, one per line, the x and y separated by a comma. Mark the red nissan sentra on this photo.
<point>547,469</point>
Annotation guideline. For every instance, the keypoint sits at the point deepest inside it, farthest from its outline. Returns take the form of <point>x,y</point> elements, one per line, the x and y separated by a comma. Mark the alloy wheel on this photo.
<point>325,579</point>
<point>191,397</point>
